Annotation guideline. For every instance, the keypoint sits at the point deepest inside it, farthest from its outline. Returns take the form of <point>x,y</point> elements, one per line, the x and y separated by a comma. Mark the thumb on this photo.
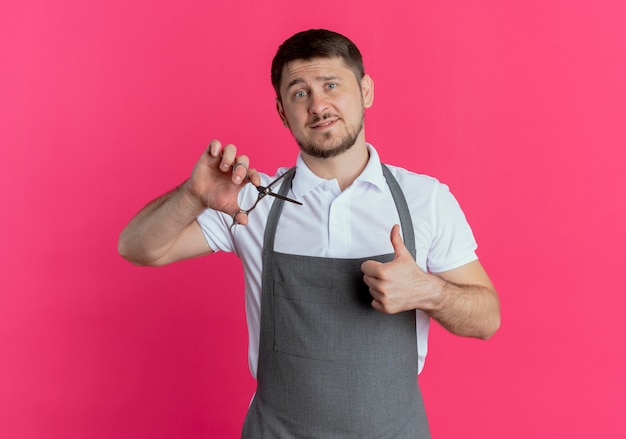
<point>398,243</point>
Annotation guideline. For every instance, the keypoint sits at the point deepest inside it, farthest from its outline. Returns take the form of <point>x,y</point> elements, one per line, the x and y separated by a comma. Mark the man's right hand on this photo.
<point>166,230</point>
<point>218,177</point>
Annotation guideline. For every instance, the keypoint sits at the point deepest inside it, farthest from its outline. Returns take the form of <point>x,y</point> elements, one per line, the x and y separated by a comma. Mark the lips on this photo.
<point>324,123</point>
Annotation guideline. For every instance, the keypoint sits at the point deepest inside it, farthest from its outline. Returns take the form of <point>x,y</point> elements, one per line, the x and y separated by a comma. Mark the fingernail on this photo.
<point>237,179</point>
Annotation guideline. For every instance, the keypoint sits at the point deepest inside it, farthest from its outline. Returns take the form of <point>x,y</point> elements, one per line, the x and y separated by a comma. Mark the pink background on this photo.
<point>518,106</point>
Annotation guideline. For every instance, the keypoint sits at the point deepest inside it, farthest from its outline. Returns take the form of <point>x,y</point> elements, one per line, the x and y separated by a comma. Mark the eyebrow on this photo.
<point>296,81</point>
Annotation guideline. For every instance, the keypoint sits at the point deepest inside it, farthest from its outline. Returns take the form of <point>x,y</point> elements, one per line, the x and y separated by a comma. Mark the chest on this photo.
<point>355,223</point>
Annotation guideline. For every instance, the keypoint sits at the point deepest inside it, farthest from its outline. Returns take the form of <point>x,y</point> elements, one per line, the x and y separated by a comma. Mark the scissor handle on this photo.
<point>245,212</point>
<point>263,191</point>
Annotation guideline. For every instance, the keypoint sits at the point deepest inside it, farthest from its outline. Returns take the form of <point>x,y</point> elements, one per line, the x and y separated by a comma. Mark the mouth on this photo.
<point>324,123</point>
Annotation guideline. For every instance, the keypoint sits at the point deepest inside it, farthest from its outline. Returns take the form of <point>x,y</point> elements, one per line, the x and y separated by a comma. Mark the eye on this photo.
<point>300,94</point>
<point>331,85</point>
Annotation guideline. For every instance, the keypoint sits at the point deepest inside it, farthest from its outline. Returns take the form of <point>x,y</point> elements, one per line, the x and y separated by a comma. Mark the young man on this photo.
<point>340,289</point>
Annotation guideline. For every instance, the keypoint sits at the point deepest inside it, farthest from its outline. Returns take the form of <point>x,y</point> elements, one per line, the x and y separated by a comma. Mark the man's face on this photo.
<point>323,103</point>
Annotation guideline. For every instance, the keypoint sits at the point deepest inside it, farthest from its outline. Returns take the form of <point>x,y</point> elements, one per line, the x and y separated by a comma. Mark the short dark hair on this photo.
<point>316,43</point>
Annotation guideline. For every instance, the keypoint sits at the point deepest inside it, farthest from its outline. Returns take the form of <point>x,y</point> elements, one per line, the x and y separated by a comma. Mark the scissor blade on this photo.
<point>282,197</point>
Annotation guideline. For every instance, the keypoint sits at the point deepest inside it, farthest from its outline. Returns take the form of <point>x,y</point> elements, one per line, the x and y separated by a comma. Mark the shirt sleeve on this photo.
<point>216,228</point>
<point>453,242</point>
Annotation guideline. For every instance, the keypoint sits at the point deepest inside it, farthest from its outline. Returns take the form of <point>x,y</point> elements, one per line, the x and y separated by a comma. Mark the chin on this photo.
<point>325,152</point>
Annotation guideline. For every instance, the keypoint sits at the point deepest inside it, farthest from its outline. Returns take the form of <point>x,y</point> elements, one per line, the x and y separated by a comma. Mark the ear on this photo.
<point>367,89</point>
<point>281,112</point>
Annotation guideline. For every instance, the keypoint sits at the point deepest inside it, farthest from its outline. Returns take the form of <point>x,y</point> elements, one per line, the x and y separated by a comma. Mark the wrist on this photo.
<point>439,292</point>
<point>190,200</point>
<point>182,205</point>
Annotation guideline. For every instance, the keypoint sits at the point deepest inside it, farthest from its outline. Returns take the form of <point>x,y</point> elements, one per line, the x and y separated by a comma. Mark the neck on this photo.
<point>345,168</point>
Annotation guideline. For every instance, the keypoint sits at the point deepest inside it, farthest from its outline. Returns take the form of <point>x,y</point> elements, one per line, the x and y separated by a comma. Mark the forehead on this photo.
<point>315,69</point>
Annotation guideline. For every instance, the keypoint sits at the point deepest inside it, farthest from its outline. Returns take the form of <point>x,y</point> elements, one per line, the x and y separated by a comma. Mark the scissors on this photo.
<point>263,191</point>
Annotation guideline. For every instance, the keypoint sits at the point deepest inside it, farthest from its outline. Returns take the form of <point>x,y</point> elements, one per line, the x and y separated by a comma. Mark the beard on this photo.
<point>340,146</point>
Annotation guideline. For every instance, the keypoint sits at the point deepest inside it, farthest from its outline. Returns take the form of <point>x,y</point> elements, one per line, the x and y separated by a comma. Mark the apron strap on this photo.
<point>406,222</point>
<point>274,215</point>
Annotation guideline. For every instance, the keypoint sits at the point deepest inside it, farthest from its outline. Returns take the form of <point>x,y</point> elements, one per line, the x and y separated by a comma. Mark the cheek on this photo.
<point>293,117</point>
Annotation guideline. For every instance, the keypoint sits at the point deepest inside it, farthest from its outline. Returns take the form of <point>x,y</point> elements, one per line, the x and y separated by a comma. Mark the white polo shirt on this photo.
<point>355,223</point>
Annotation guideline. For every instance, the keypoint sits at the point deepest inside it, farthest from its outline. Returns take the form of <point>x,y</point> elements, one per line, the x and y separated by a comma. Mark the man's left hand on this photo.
<point>400,285</point>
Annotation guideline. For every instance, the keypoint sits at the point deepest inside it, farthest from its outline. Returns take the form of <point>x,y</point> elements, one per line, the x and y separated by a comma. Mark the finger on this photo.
<point>240,169</point>
<point>378,306</point>
<point>370,268</point>
<point>397,242</point>
<point>241,218</point>
<point>215,148</point>
<point>374,284</point>
<point>254,177</point>
<point>229,153</point>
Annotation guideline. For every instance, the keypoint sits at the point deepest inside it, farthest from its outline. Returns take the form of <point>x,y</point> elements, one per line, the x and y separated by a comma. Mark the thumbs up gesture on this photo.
<point>400,285</point>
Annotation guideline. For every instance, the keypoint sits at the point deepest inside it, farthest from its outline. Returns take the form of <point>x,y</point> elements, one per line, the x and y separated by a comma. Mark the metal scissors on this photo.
<point>263,191</point>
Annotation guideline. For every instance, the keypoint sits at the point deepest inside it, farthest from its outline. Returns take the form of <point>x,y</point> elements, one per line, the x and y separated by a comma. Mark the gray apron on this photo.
<point>330,366</point>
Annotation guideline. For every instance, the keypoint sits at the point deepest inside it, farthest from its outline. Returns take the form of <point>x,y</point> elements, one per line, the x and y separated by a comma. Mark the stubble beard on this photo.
<point>343,144</point>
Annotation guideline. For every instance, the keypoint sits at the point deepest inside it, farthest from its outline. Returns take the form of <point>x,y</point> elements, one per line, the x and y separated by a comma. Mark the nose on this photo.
<point>317,104</point>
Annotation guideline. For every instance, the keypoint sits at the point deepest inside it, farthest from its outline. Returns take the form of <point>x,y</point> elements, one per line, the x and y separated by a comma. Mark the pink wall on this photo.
<point>518,106</point>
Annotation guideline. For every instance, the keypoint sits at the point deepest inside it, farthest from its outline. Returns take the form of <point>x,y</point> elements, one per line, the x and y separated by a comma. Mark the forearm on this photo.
<point>466,310</point>
<point>155,229</point>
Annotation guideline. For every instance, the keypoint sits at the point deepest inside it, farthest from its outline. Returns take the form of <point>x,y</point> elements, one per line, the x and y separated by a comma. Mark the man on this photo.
<point>340,289</point>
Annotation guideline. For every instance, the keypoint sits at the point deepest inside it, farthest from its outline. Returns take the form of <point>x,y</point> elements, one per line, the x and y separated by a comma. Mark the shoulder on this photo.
<point>411,181</point>
<point>402,175</point>
<point>426,195</point>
